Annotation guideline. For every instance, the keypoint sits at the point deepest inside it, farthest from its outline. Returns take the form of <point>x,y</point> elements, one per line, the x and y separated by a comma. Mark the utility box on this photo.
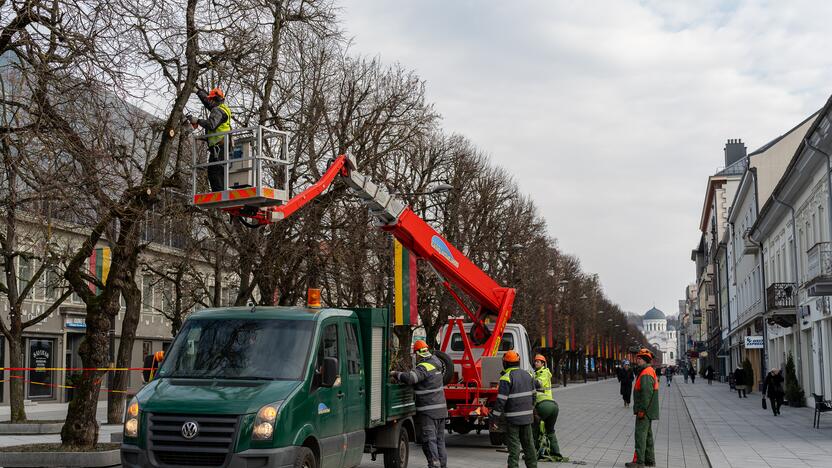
<point>241,174</point>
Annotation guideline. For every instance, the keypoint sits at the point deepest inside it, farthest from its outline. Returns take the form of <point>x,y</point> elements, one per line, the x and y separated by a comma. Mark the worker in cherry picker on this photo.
<point>545,412</point>
<point>515,405</point>
<point>218,121</point>
<point>431,409</point>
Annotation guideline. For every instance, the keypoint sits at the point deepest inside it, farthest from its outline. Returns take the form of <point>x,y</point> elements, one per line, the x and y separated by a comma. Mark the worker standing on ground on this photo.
<point>431,409</point>
<point>151,365</point>
<point>515,403</point>
<point>546,412</point>
<point>646,409</point>
<point>218,121</point>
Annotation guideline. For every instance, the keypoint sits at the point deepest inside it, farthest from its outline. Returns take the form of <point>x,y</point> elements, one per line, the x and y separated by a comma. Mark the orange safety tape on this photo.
<point>44,384</point>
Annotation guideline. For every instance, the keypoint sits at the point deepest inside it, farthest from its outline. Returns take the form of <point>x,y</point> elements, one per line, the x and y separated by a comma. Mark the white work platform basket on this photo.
<point>255,169</point>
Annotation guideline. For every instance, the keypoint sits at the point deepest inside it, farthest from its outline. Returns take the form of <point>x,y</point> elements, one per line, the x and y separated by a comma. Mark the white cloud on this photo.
<point>611,115</point>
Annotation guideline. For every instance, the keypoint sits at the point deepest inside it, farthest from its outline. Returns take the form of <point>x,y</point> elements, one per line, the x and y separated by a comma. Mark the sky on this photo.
<point>611,115</point>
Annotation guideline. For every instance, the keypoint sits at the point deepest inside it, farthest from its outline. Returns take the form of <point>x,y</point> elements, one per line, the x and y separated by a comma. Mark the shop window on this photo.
<point>40,356</point>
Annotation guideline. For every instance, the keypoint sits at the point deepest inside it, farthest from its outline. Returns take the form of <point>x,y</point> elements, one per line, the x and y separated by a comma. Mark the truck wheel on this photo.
<point>449,367</point>
<point>496,438</point>
<point>305,459</point>
<point>398,457</point>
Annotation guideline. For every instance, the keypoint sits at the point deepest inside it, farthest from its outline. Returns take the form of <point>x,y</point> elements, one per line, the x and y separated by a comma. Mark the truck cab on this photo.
<point>514,337</point>
<point>273,387</point>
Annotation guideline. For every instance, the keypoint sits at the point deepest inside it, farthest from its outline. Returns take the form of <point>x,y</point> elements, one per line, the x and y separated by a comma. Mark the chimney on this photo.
<point>734,151</point>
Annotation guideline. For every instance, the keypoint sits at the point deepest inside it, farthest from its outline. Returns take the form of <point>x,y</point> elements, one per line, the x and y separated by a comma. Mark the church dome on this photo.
<point>654,314</point>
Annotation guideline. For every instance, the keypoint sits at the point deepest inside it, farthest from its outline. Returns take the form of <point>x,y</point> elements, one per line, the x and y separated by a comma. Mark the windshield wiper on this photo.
<point>242,377</point>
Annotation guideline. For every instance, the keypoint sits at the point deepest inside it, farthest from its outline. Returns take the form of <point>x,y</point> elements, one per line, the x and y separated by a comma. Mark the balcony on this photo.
<point>819,270</point>
<point>781,299</point>
<point>749,246</point>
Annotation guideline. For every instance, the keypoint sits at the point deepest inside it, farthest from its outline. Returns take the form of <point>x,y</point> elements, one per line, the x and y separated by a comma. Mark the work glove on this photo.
<point>394,375</point>
<point>640,415</point>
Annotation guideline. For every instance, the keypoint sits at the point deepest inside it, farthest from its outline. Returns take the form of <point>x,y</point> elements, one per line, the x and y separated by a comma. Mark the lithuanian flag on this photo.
<point>99,266</point>
<point>404,294</point>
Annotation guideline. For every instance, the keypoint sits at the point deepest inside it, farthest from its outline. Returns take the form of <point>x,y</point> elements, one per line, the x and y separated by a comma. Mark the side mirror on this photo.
<point>330,372</point>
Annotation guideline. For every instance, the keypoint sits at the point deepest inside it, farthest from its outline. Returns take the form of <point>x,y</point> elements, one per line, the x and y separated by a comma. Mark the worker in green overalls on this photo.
<point>646,409</point>
<point>545,411</point>
<point>218,121</point>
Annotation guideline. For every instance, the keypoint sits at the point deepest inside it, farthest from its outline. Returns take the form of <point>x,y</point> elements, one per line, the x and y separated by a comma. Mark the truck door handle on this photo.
<point>340,394</point>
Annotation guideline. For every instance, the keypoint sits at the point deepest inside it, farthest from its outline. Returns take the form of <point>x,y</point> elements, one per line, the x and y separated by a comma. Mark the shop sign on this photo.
<point>753,342</point>
<point>76,323</point>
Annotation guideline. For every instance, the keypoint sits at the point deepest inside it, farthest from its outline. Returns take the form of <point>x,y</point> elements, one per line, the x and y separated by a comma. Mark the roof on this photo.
<point>262,312</point>
<point>654,314</point>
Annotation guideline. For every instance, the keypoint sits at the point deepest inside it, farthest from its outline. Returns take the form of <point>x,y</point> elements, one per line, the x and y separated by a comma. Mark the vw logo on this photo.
<point>190,430</point>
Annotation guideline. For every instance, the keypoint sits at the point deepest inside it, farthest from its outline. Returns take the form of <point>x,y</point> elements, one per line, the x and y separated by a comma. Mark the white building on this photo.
<point>655,329</point>
<point>793,227</point>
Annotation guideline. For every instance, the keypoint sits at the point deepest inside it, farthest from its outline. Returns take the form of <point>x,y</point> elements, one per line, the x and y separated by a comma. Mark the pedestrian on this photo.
<point>692,373</point>
<point>646,409</point>
<point>218,121</point>
<point>626,377</point>
<point>151,365</point>
<point>732,382</point>
<point>685,373</point>
<point>739,382</point>
<point>773,387</point>
<point>709,374</point>
<point>431,409</point>
<point>515,405</point>
<point>546,412</point>
<point>668,372</point>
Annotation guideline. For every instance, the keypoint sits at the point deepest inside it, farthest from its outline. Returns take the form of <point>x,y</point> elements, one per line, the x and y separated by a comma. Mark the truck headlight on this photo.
<point>264,422</point>
<point>131,420</point>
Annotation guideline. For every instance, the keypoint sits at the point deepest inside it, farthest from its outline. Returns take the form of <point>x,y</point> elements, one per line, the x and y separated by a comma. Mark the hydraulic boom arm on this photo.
<point>392,215</point>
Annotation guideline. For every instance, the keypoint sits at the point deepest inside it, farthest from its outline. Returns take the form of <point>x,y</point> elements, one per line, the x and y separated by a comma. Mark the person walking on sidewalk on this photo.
<point>739,382</point>
<point>545,411</point>
<point>773,387</point>
<point>515,404</point>
<point>692,374</point>
<point>646,409</point>
<point>709,374</point>
<point>685,372</point>
<point>668,372</point>
<point>625,376</point>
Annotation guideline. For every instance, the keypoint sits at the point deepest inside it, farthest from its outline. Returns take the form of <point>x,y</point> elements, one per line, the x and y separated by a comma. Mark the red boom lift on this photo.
<point>256,201</point>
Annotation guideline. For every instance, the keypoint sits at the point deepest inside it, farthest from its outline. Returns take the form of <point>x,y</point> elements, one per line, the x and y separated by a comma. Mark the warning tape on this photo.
<point>48,369</point>
<point>44,384</point>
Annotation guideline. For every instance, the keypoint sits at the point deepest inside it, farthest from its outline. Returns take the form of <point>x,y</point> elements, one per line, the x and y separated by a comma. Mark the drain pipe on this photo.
<point>797,330</point>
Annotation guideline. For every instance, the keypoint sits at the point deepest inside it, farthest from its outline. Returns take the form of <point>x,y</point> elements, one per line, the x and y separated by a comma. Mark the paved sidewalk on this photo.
<point>53,411</point>
<point>593,429</point>
<point>740,433</point>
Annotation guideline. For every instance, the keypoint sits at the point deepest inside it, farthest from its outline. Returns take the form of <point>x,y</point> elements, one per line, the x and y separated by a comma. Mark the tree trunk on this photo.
<point>81,430</point>
<point>16,360</point>
<point>115,399</point>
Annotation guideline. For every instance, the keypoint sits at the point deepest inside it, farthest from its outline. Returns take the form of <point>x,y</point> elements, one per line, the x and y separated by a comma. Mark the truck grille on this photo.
<point>210,447</point>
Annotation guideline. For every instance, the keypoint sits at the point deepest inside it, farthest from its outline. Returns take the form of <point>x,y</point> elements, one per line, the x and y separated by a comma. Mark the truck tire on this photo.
<point>496,438</point>
<point>448,374</point>
<point>305,459</point>
<point>398,457</point>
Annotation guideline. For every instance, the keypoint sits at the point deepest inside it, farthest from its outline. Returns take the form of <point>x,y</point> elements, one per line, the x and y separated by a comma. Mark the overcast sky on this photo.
<point>611,115</point>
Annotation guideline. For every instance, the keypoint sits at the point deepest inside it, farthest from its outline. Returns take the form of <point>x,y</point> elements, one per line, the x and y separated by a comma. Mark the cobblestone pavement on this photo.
<point>594,429</point>
<point>740,433</point>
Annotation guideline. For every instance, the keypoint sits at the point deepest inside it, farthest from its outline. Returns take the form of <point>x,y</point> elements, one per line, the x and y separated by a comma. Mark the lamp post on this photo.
<point>562,285</point>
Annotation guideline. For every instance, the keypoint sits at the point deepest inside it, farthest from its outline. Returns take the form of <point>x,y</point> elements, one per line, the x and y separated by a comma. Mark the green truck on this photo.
<point>273,387</point>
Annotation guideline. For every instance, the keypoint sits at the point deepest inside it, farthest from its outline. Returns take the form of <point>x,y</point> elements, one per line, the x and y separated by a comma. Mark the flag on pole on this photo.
<point>405,276</point>
<point>99,266</point>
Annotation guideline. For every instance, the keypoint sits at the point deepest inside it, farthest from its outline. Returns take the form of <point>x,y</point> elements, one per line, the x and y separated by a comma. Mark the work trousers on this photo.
<point>517,437</point>
<point>216,174</point>
<point>645,452</point>
<point>547,413</point>
<point>433,441</point>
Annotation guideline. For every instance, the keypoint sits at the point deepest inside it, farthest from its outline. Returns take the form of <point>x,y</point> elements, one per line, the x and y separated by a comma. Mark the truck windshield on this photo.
<point>240,349</point>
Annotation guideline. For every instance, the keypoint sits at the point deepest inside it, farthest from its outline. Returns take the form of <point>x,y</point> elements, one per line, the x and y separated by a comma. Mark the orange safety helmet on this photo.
<point>158,356</point>
<point>645,354</point>
<point>216,93</point>
<point>539,357</point>
<point>511,357</point>
<point>419,345</point>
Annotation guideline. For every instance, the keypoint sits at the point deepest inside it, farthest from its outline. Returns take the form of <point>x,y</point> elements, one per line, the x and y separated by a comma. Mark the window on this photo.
<point>507,344</point>
<point>147,348</point>
<point>353,352</point>
<point>24,273</point>
<point>53,282</point>
<point>147,293</point>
